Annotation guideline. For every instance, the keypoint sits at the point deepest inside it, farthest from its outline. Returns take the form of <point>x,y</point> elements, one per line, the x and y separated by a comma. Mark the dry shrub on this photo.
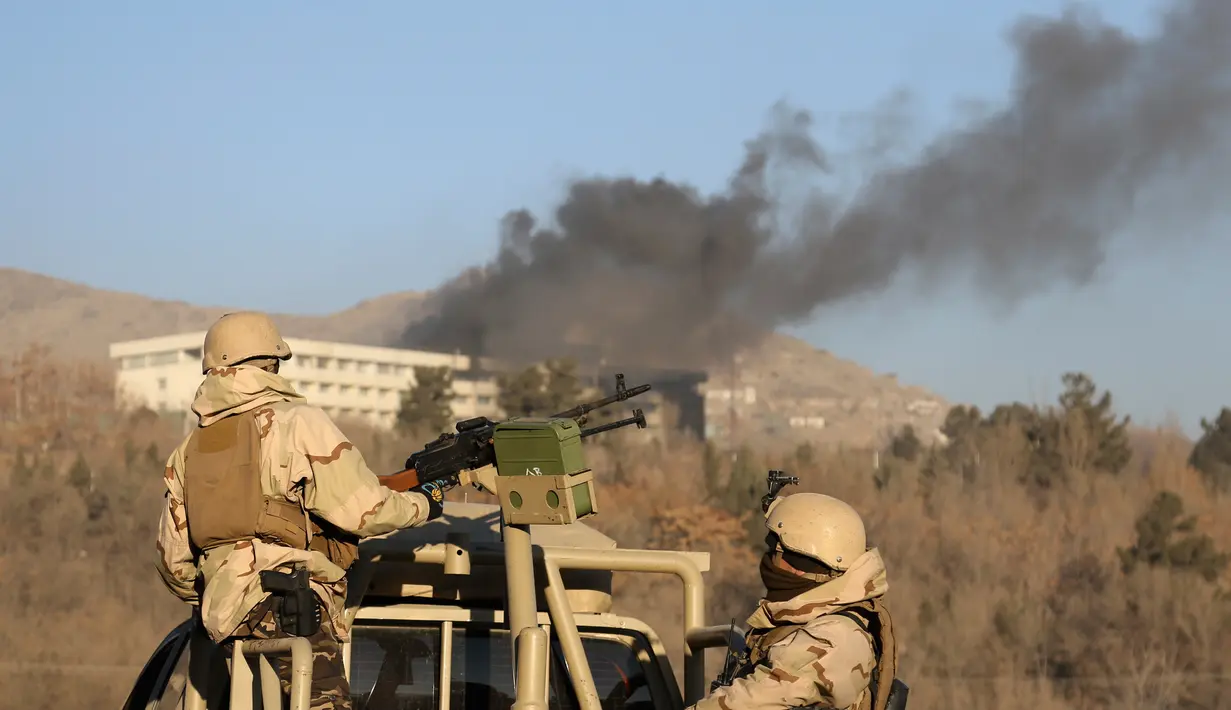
<point>81,495</point>
<point>1002,597</point>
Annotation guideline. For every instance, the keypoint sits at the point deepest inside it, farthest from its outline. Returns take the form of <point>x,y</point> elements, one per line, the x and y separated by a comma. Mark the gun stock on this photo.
<point>401,481</point>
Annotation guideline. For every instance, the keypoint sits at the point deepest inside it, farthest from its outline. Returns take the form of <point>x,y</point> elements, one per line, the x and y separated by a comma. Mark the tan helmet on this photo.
<point>240,336</point>
<point>818,526</point>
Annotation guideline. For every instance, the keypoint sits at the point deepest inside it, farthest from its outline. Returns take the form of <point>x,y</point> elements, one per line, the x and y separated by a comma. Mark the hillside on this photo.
<point>71,317</point>
<point>784,388</point>
<point>789,389</point>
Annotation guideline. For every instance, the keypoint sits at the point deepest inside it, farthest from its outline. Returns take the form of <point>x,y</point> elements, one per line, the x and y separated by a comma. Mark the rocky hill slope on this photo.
<point>788,389</point>
<point>785,388</point>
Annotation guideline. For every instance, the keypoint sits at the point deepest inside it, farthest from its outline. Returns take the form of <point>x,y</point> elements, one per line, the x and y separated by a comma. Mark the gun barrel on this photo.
<point>638,418</point>
<point>600,403</point>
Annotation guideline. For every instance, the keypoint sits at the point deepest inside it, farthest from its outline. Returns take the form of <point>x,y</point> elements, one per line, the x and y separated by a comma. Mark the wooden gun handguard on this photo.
<point>401,481</point>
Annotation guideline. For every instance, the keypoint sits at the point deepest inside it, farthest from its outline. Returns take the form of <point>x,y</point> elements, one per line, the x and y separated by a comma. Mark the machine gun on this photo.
<point>479,442</point>
<point>776,481</point>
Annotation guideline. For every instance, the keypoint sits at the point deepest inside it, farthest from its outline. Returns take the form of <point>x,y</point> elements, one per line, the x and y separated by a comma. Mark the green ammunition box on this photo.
<point>543,472</point>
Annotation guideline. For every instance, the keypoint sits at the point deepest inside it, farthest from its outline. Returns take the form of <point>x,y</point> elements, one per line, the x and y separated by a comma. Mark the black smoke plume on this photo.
<point>1102,131</point>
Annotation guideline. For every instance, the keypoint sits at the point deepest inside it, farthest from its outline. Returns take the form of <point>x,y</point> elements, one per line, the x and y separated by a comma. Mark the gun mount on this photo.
<point>775,481</point>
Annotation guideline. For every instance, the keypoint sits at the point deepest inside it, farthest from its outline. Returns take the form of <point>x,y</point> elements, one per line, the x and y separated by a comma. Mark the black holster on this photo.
<point>296,607</point>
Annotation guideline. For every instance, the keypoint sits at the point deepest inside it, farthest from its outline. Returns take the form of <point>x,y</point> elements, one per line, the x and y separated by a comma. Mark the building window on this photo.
<point>383,368</point>
<point>343,389</point>
<point>326,388</point>
<point>365,391</point>
<point>344,365</point>
<point>162,383</point>
<point>484,401</point>
<point>133,362</point>
<point>322,363</point>
<point>363,366</point>
<point>164,358</point>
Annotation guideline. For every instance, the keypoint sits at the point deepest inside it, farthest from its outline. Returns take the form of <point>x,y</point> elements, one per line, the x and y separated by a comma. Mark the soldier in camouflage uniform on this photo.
<point>267,482</point>
<point>821,637</point>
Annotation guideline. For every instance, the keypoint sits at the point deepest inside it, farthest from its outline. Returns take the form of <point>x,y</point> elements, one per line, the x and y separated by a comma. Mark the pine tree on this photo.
<point>80,476</point>
<point>524,393</point>
<point>1212,453</point>
<point>562,388</point>
<point>1109,450</point>
<point>906,445</point>
<point>1158,544</point>
<point>428,403</point>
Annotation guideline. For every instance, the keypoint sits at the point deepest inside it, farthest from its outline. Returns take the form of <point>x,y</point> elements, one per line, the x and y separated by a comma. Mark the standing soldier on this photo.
<point>266,502</point>
<point>821,637</point>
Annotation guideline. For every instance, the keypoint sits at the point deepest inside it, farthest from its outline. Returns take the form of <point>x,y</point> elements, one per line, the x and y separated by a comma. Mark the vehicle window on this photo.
<point>148,685</point>
<point>619,677</point>
<point>482,677</point>
<point>483,673</point>
<point>395,668</point>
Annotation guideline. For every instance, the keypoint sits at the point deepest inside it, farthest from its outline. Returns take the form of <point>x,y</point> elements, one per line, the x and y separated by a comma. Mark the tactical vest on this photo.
<point>874,619</point>
<point>225,502</point>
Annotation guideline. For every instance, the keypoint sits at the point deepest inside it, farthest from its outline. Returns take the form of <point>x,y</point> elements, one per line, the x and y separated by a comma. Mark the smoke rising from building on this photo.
<point>1019,200</point>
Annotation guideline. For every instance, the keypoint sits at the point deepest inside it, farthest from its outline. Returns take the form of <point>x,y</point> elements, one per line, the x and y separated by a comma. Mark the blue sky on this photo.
<point>304,156</point>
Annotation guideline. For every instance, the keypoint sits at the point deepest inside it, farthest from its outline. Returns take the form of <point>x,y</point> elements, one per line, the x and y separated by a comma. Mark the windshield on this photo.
<point>398,668</point>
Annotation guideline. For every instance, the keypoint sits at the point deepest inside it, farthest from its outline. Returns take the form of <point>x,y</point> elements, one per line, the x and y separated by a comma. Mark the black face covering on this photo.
<point>781,585</point>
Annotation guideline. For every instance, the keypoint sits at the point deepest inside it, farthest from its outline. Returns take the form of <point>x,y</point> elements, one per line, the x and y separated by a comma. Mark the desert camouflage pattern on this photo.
<point>304,458</point>
<point>330,688</point>
<point>827,663</point>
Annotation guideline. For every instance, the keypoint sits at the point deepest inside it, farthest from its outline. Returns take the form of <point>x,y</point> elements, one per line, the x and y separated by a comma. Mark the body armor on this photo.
<point>874,619</point>
<point>225,502</point>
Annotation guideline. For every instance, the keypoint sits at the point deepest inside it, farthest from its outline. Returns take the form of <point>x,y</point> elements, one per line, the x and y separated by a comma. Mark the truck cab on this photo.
<point>430,632</point>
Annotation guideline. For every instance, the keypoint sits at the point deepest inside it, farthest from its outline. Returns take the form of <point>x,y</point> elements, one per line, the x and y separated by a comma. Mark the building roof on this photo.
<point>194,340</point>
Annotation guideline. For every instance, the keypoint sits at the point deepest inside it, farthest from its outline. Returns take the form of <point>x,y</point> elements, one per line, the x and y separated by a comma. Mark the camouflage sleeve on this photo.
<point>830,672</point>
<point>176,563</point>
<point>341,488</point>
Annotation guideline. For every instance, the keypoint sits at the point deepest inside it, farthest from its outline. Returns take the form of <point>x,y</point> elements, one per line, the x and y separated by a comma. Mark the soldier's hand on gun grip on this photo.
<point>435,495</point>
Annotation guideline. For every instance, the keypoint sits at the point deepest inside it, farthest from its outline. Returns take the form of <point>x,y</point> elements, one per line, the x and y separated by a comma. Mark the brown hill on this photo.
<point>787,389</point>
<point>72,317</point>
<point>784,388</point>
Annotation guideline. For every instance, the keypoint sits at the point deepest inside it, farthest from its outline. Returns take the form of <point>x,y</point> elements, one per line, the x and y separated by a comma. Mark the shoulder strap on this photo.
<point>762,640</point>
<point>873,617</point>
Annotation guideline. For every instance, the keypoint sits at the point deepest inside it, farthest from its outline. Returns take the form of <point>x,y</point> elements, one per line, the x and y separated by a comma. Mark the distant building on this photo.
<point>807,422</point>
<point>367,382</point>
<point>346,380</point>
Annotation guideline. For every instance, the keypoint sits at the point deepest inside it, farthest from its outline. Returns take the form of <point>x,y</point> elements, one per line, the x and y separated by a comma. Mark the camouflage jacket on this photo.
<point>304,458</point>
<point>826,663</point>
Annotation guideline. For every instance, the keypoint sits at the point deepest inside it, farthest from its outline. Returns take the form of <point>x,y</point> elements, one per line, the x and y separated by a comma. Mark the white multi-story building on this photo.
<point>346,380</point>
